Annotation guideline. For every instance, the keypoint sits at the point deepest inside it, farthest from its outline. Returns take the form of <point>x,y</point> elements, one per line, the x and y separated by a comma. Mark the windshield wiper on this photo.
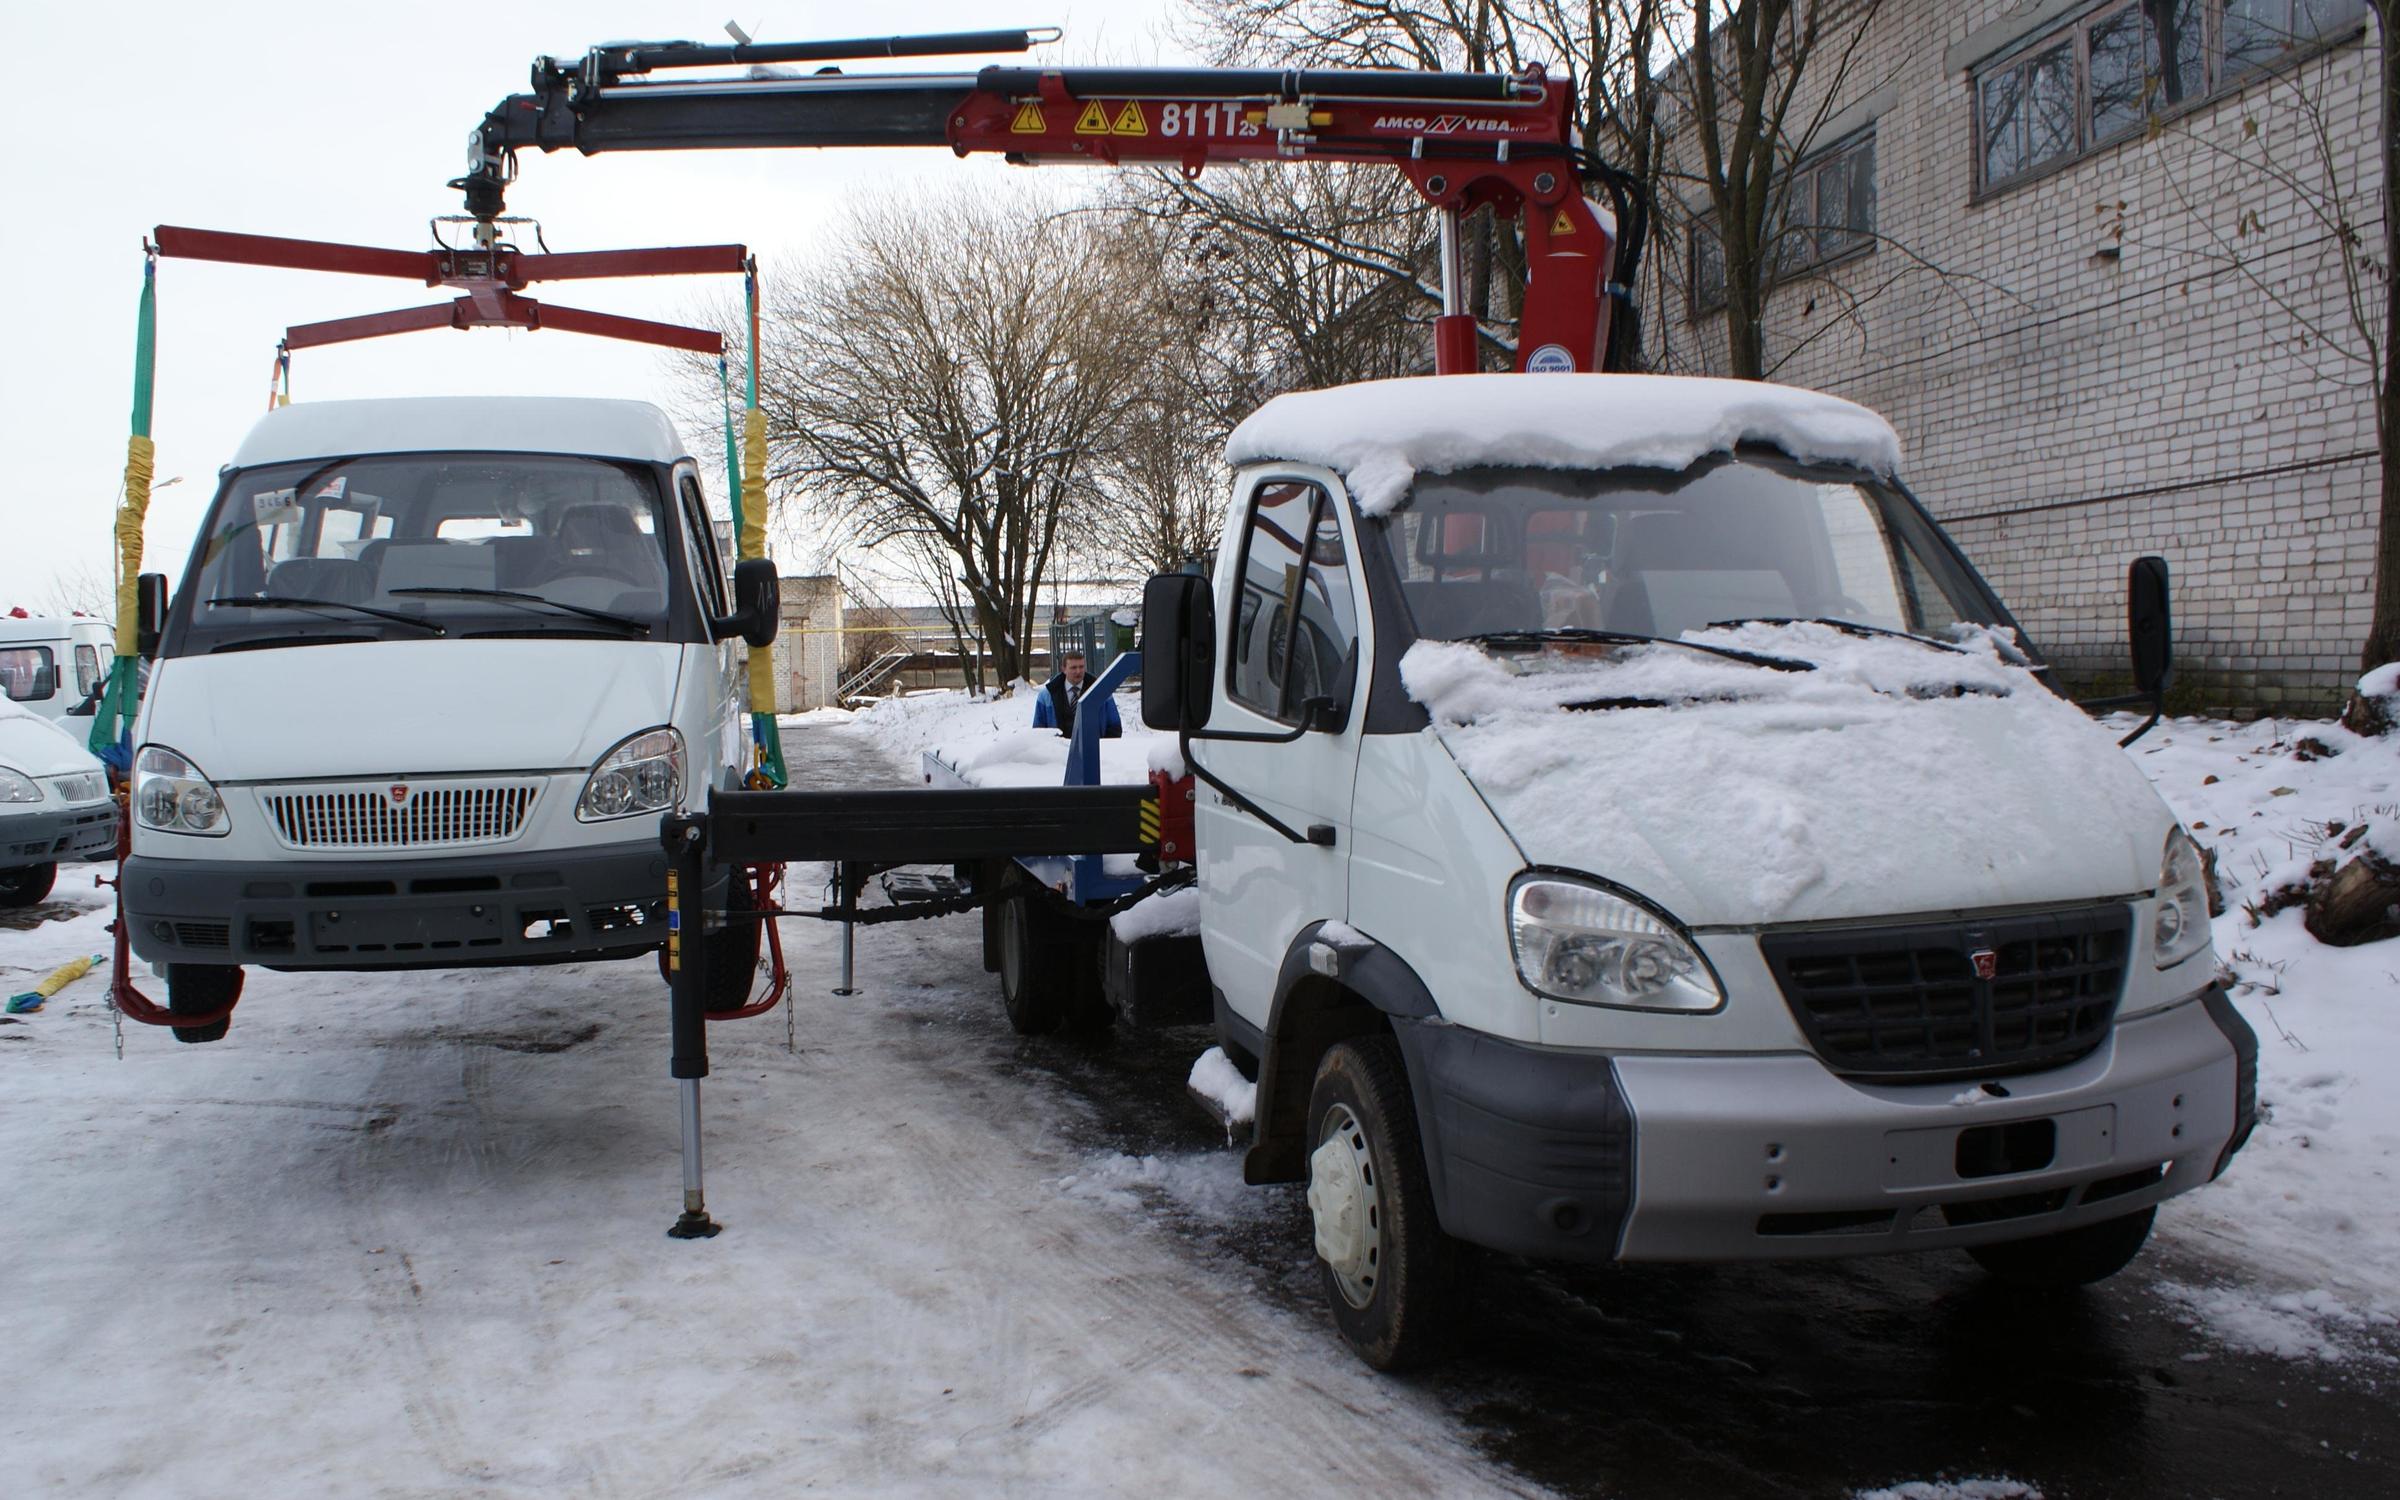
<point>519,596</point>
<point>1846,627</point>
<point>1576,633</point>
<point>287,601</point>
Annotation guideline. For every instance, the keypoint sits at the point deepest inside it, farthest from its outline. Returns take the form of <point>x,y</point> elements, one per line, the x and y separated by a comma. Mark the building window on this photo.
<point>1824,211</point>
<point>2102,77</point>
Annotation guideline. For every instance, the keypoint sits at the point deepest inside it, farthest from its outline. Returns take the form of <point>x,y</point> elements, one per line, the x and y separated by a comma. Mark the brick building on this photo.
<point>2085,255</point>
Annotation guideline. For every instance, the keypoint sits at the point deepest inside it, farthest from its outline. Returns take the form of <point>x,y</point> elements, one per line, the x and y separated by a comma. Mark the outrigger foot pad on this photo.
<point>695,1224</point>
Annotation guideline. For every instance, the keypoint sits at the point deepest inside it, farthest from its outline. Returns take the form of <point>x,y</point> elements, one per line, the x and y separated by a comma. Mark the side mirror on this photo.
<point>757,604</point>
<point>2150,626</point>
<point>1179,651</point>
<point>1321,715</point>
<point>150,614</point>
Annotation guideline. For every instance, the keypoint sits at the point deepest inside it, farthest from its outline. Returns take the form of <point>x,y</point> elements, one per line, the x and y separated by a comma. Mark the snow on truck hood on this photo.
<point>1380,434</point>
<point>421,708</point>
<point>33,746</point>
<point>1893,779</point>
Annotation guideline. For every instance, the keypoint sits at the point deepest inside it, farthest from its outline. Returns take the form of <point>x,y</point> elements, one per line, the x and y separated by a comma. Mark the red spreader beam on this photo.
<point>490,278</point>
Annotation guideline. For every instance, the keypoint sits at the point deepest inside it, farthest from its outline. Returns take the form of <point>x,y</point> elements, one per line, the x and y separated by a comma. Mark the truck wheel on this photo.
<point>1390,1273</point>
<point>1037,979</point>
<point>197,989</point>
<point>2069,1258</point>
<point>26,884</point>
<point>733,949</point>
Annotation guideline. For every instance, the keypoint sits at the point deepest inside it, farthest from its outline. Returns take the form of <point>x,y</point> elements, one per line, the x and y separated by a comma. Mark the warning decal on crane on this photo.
<point>1029,120</point>
<point>1093,121</point>
<point>1562,224</point>
<point>1130,121</point>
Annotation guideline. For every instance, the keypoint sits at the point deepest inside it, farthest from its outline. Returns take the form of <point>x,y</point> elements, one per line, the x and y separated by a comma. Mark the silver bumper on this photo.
<point>1742,1158</point>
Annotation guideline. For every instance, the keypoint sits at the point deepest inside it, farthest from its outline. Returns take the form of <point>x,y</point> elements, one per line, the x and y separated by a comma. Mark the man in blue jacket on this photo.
<point>1055,708</point>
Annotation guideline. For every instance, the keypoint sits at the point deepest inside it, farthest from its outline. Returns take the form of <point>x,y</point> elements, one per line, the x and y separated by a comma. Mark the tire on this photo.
<point>1393,1281</point>
<point>1037,975</point>
<point>197,989</point>
<point>732,949</point>
<point>2071,1257</point>
<point>26,884</point>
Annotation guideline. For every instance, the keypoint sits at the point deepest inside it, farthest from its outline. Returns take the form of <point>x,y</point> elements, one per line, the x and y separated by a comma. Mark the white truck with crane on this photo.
<point>1626,827</point>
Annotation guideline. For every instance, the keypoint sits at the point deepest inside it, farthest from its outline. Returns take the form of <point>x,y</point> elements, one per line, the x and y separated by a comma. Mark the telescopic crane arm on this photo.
<point>1464,140</point>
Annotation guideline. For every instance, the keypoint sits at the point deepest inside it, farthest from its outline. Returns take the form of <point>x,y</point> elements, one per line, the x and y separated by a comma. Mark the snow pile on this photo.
<point>1174,913</point>
<point>2312,1325</point>
<point>1380,434</point>
<point>1207,1184</point>
<point>989,738</point>
<point>1953,1489</point>
<point>1894,777</point>
<point>2315,1197</point>
<point>1215,1077</point>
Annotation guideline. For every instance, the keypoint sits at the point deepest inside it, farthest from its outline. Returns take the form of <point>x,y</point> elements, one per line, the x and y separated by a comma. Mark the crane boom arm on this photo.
<point>1464,140</point>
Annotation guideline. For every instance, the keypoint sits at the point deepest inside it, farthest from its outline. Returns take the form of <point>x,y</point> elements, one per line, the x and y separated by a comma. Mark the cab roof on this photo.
<point>587,426</point>
<point>1380,434</point>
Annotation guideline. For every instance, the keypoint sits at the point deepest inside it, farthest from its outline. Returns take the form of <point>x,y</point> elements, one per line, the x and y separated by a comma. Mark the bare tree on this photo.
<point>1744,69</point>
<point>80,589</point>
<point>939,390</point>
<point>1605,47</point>
<point>2383,634</point>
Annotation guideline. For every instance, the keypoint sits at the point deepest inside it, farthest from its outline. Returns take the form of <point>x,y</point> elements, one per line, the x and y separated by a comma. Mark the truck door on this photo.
<point>724,660</point>
<point>1288,612</point>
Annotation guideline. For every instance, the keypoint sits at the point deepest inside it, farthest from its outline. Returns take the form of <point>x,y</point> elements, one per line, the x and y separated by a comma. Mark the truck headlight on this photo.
<point>2179,926</point>
<point>1579,941</point>
<point>643,774</point>
<point>171,795</point>
<point>16,786</point>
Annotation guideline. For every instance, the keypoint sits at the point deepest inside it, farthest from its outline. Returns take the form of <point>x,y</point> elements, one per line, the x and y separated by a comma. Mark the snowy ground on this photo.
<point>2312,1205</point>
<point>403,1236</point>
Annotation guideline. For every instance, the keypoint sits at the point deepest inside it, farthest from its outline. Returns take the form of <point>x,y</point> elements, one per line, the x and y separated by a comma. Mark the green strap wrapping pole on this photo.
<point>750,533</point>
<point>112,722</point>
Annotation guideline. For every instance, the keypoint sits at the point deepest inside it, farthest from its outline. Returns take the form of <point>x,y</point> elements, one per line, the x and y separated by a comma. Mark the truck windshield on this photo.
<point>421,546</point>
<point>1648,552</point>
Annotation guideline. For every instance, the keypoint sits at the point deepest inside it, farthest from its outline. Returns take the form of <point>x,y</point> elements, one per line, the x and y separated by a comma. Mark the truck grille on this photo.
<point>440,815</point>
<point>1909,1002</point>
<point>84,786</point>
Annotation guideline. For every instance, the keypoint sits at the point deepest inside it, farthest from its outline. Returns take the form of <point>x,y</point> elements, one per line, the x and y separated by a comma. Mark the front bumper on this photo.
<point>1582,1156</point>
<point>53,835</point>
<point>535,907</point>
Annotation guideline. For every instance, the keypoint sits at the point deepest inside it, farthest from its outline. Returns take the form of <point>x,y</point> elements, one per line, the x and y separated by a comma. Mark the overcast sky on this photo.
<point>342,122</point>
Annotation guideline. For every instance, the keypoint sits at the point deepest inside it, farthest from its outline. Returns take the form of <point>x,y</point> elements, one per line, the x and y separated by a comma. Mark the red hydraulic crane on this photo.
<point>1465,140</point>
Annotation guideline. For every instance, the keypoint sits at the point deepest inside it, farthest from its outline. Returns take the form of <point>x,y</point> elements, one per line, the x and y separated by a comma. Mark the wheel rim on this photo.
<point>1346,1206</point>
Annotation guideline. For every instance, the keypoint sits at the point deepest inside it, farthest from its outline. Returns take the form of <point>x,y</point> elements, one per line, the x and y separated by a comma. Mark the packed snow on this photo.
<point>988,739</point>
<point>402,1234</point>
<point>1734,793</point>
<point>1953,1489</point>
<point>2315,1197</point>
<point>1380,434</point>
<point>1214,1076</point>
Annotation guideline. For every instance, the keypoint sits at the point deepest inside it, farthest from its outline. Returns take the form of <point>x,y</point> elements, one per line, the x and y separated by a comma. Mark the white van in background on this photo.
<point>435,669</point>
<point>54,805</point>
<point>54,665</point>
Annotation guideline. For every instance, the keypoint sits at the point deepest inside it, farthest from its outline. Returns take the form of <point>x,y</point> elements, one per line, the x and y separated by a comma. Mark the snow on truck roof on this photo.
<point>1382,433</point>
<point>499,424</point>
